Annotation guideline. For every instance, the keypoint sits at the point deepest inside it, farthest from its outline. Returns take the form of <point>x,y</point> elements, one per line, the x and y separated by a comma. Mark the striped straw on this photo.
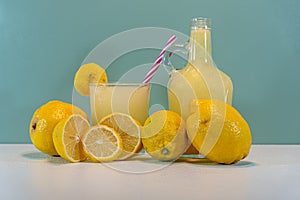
<point>158,61</point>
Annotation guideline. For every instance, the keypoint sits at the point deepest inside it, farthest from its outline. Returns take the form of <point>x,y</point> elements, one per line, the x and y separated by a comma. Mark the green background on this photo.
<point>257,43</point>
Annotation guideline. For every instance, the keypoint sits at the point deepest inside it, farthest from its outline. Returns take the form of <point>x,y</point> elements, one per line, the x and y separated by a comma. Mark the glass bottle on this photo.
<point>200,78</point>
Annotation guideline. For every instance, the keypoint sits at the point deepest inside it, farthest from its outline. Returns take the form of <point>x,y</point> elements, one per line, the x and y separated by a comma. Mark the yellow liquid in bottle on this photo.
<point>199,79</point>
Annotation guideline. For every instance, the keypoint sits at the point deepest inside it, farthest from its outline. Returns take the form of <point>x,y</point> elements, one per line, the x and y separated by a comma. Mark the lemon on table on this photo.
<point>218,131</point>
<point>129,130</point>
<point>102,144</point>
<point>67,136</point>
<point>45,119</point>
<point>164,135</point>
<point>86,74</point>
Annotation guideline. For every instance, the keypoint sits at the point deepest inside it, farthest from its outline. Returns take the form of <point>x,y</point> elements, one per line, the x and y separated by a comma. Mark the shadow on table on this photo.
<point>198,161</point>
<point>195,160</point>
<point>44,157</point>
<point>207,163</point>
<point>36,156</point>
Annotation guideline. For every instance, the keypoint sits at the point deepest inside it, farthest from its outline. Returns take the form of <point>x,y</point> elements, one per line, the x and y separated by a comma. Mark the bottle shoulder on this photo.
<point>191,72</point>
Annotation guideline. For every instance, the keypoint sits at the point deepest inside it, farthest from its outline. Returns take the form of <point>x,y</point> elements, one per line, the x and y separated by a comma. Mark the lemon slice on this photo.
<point>129,130</point>
<point>102,144</point>
<point>88,73</point>
<point>67,137</point>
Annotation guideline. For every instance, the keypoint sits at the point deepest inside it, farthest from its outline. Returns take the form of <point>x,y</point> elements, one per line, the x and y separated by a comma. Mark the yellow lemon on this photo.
<point>164,135</point>
<point>86,74</point>
<point>218,131</point>
<point>45,119</point>
<point>67,136</point>
<point>129,130</point>
<point>102,144</point>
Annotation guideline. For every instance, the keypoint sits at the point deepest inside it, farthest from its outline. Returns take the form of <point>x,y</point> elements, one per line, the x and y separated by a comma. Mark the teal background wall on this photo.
<point>42,44</point>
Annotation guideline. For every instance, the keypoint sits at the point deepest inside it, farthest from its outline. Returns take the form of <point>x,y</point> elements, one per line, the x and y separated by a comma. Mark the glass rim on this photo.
<point>119,84</point>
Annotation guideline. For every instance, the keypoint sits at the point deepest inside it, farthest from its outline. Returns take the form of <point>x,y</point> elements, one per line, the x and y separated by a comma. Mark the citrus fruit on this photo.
<point>45,119</point>
<point>129,130</point>
<point>102,144</point>
<point>86,74</point>
<point>67,136</point>
<point>164,135</point>
<point>218,131</point>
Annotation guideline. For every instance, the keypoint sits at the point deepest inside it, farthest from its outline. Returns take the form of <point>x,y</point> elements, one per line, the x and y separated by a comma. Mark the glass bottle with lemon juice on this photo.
<point>200,78</point>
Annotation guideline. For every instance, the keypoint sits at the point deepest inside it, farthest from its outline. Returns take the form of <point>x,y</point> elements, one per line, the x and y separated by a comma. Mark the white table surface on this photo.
<point>269,172</point>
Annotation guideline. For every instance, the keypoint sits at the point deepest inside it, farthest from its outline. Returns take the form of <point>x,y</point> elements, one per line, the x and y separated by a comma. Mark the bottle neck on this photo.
<point>200,42</point>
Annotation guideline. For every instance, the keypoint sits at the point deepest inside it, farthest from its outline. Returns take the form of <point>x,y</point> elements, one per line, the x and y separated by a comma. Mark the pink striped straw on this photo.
<point>158,61</point>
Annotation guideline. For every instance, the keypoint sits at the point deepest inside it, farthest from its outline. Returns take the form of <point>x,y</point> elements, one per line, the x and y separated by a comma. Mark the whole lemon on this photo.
<point>218,131</point>
<point>44,121</point>
<point>164,135</point>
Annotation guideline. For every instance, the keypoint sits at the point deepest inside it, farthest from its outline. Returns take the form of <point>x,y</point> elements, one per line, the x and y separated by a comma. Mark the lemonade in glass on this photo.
<point>129,98</point>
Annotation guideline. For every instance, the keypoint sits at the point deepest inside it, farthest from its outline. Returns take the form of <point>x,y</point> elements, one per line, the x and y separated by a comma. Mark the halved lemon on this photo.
<point>129,130</point>
<point>102,144</point>
<point>86,74</point>
<point>67,137</point>
<point>44,120</point>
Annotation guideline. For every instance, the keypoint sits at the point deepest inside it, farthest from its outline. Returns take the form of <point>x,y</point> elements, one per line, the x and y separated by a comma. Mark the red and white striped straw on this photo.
<point>159,60</point>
